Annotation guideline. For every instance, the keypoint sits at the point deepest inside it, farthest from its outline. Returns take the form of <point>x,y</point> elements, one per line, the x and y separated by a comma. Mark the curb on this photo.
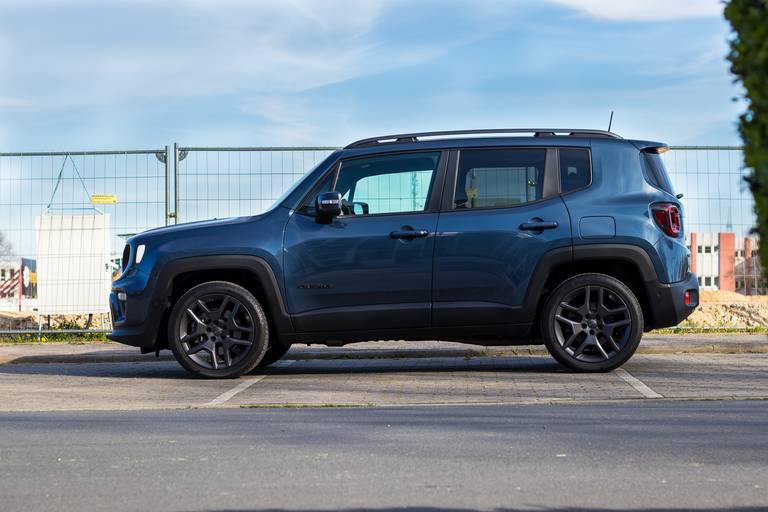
<point>303,354</point>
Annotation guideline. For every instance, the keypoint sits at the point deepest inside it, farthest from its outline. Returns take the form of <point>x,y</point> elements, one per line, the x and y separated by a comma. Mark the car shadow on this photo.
<point>165,369</point>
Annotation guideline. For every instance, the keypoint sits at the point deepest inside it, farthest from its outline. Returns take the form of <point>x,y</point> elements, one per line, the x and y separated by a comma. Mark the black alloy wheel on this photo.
<point>218,329</point>
<point>592,322</point>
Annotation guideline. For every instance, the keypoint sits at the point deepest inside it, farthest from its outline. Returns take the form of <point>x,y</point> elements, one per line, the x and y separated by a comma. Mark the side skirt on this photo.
<point>487,335</point>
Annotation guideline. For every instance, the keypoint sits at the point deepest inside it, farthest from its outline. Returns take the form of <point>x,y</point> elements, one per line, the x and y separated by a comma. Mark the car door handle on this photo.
<point>538,225</point>
<point>409,233</point>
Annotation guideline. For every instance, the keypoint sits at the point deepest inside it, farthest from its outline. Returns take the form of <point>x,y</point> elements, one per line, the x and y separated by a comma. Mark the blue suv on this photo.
<point>573,238</point>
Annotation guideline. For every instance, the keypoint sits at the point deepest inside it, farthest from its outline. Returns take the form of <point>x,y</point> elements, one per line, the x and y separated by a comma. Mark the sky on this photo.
<point>78,75</point>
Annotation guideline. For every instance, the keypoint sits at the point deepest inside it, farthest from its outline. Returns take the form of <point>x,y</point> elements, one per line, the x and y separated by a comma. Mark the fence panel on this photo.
<point>230,182</point>
<point>51,225</point>
<point>200,183</point>
<point>716,197</point>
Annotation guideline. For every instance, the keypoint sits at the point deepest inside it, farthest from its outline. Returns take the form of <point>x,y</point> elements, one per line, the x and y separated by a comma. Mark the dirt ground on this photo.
<point>24,320</point>
<point>729,309</point>
<point>717,309</point>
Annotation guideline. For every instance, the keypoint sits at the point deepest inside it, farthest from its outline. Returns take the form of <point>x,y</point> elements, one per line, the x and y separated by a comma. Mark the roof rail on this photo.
<point>537,132</point>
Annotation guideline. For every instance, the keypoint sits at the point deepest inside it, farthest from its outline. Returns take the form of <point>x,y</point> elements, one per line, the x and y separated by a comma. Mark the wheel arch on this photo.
<point>627,263</point>
<point>251,272</point>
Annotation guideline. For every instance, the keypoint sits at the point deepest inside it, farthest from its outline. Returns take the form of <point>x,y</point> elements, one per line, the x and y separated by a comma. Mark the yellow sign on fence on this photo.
<point>104,199</point>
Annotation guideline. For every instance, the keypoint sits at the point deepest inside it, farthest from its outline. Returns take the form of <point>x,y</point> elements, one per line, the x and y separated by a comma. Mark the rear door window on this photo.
<point>499,178</point>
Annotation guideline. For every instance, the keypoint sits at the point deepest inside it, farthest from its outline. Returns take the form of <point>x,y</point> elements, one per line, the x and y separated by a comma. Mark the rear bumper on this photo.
<point>667,301</point>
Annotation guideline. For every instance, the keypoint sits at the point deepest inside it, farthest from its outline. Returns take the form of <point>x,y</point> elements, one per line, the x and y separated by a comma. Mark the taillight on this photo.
<point>667,217</point>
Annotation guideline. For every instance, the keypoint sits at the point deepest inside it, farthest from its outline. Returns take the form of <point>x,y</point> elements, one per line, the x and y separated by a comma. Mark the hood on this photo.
<point>187,226</point>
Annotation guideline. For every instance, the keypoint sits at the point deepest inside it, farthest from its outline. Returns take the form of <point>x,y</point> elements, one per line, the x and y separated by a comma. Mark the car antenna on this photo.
<point>610,121</point>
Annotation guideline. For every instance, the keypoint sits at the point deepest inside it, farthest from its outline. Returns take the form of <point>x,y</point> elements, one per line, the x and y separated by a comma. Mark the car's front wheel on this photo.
<point>218,330</point>
<point>592,322</point>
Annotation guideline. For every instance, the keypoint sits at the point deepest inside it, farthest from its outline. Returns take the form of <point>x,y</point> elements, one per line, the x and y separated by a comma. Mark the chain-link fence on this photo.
<point>65,216</point>
<point>229,182</point>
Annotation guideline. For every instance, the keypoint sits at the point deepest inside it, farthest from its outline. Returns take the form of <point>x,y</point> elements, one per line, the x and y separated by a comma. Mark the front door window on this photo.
<point>387,184</point>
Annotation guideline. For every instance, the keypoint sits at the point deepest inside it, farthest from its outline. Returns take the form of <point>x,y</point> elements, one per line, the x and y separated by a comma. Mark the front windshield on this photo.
<point>298,182</point>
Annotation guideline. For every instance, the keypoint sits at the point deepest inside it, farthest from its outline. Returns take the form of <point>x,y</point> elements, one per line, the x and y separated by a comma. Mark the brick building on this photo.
<point>723,262</point>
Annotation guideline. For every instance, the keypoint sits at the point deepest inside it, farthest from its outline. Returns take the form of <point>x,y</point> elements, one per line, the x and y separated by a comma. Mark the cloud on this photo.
<point>88,53</point>
<point>645,10</point>
<point>87,73</point>
<point>15,103</point>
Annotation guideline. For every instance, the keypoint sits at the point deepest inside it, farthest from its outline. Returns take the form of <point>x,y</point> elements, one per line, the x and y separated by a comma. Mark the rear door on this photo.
<point>501,213</point>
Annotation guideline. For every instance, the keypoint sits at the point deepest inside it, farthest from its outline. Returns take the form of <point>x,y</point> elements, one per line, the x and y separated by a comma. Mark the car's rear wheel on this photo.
<point>592,322</point>
<point>218,330</point>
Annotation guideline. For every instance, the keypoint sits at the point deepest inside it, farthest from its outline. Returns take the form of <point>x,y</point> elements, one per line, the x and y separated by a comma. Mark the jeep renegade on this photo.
<point>573,238</point>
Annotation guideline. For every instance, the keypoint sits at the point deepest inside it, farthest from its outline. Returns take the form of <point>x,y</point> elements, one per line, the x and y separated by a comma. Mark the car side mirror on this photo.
<point>327,207</point>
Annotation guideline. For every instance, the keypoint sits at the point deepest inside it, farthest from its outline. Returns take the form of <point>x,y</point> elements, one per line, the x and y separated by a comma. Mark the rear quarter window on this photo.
<point>574,169</point>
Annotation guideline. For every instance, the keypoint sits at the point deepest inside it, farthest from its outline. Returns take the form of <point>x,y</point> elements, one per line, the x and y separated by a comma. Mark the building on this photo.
<point>723,262</point>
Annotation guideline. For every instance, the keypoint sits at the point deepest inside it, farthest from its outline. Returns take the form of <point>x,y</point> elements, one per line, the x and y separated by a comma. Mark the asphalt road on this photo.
<point>437,431</point>
<point>640,455</point>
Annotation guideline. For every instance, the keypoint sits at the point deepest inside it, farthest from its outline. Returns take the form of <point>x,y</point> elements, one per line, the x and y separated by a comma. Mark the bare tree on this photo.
<point>5,246</point>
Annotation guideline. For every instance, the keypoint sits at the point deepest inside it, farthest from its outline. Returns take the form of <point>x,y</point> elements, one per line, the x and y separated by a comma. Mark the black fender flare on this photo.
<point>572,254</point>
<point>253,264</point>
<point>625,252</point>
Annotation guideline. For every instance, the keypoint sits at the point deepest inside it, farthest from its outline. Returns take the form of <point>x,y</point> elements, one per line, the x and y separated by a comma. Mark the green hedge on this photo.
<point>749,62</point>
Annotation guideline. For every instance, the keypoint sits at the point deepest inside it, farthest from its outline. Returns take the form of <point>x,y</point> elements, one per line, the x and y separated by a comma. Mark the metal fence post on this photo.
<point>175,182</point>
<point>167,184</point>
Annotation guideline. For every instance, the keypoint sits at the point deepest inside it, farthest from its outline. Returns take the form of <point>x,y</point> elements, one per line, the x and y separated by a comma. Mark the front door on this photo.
<point>371,268</point>
<point>502,215</point>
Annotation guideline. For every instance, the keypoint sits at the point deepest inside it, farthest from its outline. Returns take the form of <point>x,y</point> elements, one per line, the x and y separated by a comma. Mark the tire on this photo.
<point>218,330</point>
<point>597,336</point>
<point>275,352</point>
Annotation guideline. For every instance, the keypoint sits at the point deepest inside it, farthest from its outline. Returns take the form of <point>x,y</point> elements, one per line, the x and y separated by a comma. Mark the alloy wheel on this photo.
<point>592,324</point>
<point>217,331</point>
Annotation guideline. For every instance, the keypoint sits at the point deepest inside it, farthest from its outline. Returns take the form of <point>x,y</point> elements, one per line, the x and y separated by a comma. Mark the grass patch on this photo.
<point>64,337</point>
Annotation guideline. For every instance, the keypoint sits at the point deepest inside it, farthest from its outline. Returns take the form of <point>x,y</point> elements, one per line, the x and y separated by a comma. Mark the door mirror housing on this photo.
<point>327,207</point>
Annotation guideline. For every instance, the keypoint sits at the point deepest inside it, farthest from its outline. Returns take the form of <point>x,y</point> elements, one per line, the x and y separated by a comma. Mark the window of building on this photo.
<point>707,281</point>
<point>698,249</point>
<point>717,281</point>
<point>707,249</point>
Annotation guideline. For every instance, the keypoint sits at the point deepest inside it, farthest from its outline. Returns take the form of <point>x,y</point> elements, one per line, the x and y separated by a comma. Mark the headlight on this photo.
<point>140,253</point>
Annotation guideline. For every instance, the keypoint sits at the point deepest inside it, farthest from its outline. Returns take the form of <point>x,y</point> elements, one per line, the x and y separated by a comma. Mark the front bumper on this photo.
<point>138,321</point>
<point>667,303</point>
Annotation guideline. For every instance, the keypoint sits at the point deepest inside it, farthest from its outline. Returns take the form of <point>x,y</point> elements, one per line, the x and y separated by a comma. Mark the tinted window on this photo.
<point>495,178</point>
<point>574,169</point>
<point>387,184</point>
<point>655,172</point>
